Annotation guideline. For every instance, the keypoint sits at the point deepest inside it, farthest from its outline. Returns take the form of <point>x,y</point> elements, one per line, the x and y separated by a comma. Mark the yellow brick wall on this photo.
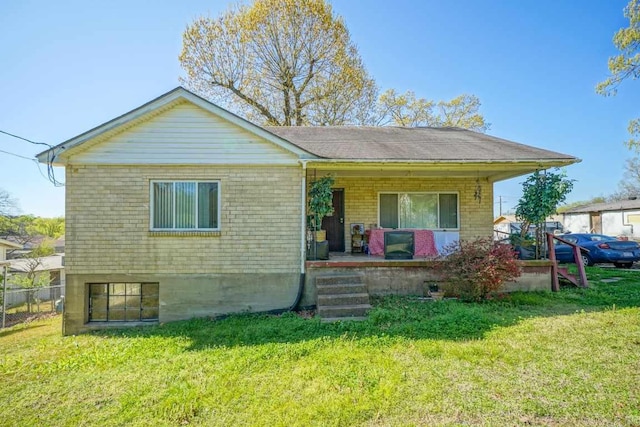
<point>107,212</point>
<point>361,200</point>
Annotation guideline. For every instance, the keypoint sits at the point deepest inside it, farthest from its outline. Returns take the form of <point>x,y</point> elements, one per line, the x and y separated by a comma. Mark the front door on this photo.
<point>334,224</point>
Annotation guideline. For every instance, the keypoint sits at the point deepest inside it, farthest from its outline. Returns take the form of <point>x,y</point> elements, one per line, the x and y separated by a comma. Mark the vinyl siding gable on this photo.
<point>185,134</point>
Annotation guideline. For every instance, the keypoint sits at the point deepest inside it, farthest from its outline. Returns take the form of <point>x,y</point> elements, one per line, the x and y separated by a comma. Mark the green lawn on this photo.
<point>565,359</point>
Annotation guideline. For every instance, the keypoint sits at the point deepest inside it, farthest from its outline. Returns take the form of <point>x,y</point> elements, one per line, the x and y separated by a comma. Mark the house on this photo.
<point>51,266</point>
<point>29,243</point>
<point>57,244</point>
<point>506,225</point>
<point>7,245</point>
<point>181,209</point>
<point>4,264</point>
<point>619,218</point>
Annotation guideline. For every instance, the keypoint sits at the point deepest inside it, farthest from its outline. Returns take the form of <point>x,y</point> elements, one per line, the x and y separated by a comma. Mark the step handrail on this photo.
<point>555,284</point>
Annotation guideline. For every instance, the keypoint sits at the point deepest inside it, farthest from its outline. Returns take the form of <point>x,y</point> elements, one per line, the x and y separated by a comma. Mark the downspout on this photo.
<point>303,240</point>
<point>303,246</point>
<point>303,217</point>
<point>303,235</point>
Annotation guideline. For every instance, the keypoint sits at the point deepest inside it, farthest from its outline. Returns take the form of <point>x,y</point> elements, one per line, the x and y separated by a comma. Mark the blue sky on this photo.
<point>68,66</point>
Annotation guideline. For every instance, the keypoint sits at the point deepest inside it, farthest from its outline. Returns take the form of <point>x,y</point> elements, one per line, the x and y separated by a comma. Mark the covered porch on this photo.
<point>440,204</point>
<point>434,182</point>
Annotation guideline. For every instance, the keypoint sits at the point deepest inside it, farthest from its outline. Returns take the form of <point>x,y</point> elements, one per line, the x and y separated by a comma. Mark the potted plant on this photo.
<point>320,203</point>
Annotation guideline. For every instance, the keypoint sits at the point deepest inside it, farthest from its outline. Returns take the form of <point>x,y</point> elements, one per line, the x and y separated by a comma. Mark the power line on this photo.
<point>17,155</point>
<point>40,170</point>
<point>27,158</point>
<point>25,139</point>
<point>50,157</point>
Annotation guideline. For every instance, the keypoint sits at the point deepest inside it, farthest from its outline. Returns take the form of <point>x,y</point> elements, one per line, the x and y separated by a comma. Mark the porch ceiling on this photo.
<point>492,171</point>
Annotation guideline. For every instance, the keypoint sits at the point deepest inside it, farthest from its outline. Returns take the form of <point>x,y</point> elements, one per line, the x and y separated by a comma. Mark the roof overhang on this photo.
<point>9,245</point>
<point>48,263</point>
<point>491,170</point>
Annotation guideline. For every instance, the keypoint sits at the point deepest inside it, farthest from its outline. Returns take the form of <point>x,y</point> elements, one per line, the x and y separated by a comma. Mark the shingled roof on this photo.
<point>619,205</point>
<point>410,143</point>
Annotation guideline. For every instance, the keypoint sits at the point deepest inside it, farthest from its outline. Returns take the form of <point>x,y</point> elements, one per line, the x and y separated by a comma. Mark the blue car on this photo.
<point>602,249</point>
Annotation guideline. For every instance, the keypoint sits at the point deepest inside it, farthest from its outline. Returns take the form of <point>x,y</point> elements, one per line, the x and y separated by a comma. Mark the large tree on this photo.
<point>626,64</point>
<point>7,203</point>
<point>292,63</point>
<point>278,62</point>
<point>18,228</point>
<point>629,185</point>
<point>407,110</point>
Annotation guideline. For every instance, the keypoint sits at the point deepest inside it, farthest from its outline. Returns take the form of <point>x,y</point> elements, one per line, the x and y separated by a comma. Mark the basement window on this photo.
<point>123,302</point>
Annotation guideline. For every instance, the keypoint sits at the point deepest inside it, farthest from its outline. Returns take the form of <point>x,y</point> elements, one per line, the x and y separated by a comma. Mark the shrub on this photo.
<point>473,269</point>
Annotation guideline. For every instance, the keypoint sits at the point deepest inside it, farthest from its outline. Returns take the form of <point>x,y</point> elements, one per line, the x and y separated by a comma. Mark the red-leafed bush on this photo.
<point>473,269</point>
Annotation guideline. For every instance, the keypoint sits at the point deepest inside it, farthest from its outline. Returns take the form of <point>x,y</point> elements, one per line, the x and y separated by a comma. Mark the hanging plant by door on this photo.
<point>320,200</point>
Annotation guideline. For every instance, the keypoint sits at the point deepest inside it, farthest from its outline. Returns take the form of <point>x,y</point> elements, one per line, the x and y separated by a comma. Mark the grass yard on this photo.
<point>565,359</point>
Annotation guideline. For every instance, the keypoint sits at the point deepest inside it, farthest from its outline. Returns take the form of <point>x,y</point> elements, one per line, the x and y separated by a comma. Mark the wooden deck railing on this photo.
<point>555,284</point>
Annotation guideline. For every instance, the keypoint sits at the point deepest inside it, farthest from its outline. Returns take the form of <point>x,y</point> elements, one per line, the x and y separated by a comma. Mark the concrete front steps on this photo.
<point>342,297</point>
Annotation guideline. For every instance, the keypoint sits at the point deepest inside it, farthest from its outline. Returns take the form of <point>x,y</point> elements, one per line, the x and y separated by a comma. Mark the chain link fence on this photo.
<point>19,305</point>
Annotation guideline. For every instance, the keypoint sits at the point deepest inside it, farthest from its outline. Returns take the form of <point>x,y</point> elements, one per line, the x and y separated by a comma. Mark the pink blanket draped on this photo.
<point>424,242</point>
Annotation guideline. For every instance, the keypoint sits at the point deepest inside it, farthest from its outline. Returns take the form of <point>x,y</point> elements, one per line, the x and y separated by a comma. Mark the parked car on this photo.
<point>525,248</point>
<point>602,249</point>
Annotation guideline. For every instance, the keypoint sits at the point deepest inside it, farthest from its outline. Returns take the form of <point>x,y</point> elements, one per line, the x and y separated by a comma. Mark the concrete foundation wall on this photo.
<point>536,276</point>
<point>414,278</point>
<point>188,296</point>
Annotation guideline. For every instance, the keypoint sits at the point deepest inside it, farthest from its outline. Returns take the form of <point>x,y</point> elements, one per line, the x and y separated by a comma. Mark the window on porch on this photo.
<point>419,210</point>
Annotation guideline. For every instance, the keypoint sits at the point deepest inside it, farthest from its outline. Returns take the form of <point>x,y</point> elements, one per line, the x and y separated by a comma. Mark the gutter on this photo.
<point>460,161</point>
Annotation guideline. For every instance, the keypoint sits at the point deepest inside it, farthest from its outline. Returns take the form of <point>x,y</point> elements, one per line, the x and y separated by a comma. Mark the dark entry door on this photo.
<point>334,224</point>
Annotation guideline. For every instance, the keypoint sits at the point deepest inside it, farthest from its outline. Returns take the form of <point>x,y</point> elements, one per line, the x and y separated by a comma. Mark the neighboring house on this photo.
<point>31,242</point>
<point>181,209</point>
<point>6,245</point>
<point>4,264</point>
<point>56,244</point>
<point>505,225</point>
<point>621,218</point>
<point>52,266</point>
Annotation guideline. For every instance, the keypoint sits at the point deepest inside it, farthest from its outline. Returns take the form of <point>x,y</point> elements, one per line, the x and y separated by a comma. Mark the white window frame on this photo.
<point>175,181</point>
<point>438,193</point>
